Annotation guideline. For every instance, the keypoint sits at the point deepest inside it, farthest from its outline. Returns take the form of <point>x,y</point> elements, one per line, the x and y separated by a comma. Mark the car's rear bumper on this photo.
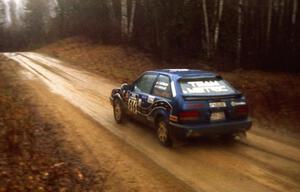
<point>211,128</point>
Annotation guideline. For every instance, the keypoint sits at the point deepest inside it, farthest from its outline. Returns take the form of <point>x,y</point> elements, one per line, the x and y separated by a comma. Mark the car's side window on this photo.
<point>145,83</point>
<point>162,87</point>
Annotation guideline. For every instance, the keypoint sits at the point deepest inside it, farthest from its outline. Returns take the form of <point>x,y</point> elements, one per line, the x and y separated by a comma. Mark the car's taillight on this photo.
<point>189,115</point>
<point>241,110</point>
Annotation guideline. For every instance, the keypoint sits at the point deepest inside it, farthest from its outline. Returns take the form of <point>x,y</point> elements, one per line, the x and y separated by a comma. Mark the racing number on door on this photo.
<point>132,105</point>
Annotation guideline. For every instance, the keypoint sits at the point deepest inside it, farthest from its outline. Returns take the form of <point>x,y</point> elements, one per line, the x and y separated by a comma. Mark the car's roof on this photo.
<point>185,73</point>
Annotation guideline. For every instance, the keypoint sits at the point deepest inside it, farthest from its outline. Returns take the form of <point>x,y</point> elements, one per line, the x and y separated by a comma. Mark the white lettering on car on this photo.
<point>204,87</point>
<point>161,85</point>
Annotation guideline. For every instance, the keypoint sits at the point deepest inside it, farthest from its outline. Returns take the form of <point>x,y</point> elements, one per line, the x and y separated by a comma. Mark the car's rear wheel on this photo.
<point>228,137</point>
<point>163,132</point>
<point>118,111</point>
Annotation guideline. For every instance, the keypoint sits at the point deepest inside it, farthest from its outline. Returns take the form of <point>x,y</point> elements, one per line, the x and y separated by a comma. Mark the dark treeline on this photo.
<point>260,34</point>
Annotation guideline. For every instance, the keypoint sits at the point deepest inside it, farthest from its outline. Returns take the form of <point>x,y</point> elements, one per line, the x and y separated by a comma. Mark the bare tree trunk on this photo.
<point>206,25</point>
<point>157,30</point>
<point>294,16</point>
<point>111,10</point>
<point>131,22</point>
<point>239,32</point>
<point>217,26</point>
<point>295,9</point>
<point>216,9</point>
<point>216,5</point>
<point>124,19</point>
<point>282,8</point>
<point>142,3</point>
<point>114,24</point>
<point>269,24</point>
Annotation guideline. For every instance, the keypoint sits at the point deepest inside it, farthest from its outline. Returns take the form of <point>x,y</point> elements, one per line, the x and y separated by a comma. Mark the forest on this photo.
<point>249,34</point>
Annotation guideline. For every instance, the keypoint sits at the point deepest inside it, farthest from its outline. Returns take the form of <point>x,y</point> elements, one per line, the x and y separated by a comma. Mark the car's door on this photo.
<point>162,93</point>
<point>138,97</point>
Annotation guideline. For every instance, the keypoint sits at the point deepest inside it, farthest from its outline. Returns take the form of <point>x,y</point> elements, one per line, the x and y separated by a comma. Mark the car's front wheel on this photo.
<point>118,111</point>
<point>163,132</point>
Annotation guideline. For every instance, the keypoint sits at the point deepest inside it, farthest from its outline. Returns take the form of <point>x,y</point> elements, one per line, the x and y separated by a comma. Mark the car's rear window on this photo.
<point>205,87</point>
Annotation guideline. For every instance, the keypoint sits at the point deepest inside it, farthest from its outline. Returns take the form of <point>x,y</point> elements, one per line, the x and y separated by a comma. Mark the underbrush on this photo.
<point>273,98</point>
<point>32,156</point>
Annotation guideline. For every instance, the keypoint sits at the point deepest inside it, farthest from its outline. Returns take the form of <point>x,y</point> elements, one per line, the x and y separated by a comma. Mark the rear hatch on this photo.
<point>210,100</point>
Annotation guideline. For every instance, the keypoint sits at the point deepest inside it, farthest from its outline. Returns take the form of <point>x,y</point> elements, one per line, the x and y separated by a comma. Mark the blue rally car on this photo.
<point>182,103</point>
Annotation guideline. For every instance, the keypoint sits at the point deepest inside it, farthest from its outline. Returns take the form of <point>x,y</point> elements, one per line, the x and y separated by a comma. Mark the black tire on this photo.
<point>230,137</point>
<point>118,111</point>
<point>163,132</point>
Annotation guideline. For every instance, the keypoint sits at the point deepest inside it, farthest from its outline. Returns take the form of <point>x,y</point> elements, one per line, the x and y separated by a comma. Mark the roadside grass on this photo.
<point>32,156</point>
<point>273,97</point>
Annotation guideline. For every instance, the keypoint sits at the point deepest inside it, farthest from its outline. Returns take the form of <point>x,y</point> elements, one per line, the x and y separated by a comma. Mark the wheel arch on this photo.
<point>119,97</point>
<point>160,114</point>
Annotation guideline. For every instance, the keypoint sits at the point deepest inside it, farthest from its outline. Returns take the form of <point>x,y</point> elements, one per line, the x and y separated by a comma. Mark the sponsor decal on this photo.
<point>150,99</point>
<point>161,85</point>
<point>160,104</point>
<point>200,87</point>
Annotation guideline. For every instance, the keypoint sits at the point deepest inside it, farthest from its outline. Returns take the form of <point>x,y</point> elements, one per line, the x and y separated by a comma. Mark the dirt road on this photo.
<point>259,163</point>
